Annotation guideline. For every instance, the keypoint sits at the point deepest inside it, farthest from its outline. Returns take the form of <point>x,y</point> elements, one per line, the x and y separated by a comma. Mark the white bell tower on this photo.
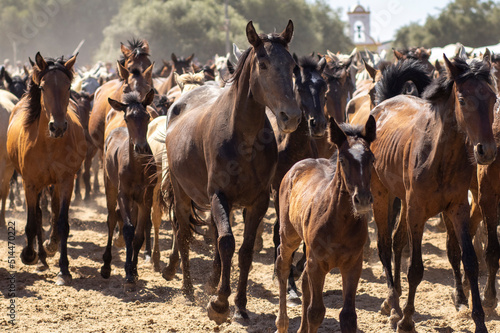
<point>359,26</point>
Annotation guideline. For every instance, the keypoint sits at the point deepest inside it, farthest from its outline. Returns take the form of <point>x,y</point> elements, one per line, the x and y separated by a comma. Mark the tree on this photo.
<point>470,22</point>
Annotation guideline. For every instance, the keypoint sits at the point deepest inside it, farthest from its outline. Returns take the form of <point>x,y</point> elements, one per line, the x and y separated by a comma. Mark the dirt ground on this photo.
<point>93,304</point>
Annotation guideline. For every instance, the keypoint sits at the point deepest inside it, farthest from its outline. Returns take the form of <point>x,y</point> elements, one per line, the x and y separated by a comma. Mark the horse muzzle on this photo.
<point>142,148</point>
<point>289,121</point>
<point>57,129</point>
<point>362,202</point>
<point>317,129</point>
<point>485,153</point>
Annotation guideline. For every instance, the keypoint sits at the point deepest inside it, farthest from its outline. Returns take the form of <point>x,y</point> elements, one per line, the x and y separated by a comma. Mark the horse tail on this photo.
<point>169,202</point>
<point>396,76</point>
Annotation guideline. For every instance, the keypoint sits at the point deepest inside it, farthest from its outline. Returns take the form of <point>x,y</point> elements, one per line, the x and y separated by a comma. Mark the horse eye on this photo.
<point>262,65</point>
<point>461,101</point>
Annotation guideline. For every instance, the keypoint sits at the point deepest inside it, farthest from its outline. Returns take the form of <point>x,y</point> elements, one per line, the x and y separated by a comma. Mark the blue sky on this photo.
<point>389,15</point>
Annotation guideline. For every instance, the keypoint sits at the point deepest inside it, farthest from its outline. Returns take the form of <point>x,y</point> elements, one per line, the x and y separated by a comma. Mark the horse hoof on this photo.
<point>63,279</point>
<point>404,330</point>
<point>105,272</point>
<point>385,308</point>
<point>460,302</point>
<point>129,286</point>
<point>489,304</point>
<point>394,318</point>
<point>147,259</point>
<point>29,259</point>
<point>210,288</point>
<point>50,248</point>
<point>168,273</point>
<point>119,242</point>
<point>217,313</point>
<point>241,315</point>
<point>258,246</point>
<point>42,267</point>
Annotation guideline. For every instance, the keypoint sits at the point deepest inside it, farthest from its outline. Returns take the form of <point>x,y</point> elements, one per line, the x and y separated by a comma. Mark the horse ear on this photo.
<point>287,34</point>
<point>173,57</point>
<point>149,98</point>
<point>71,62</point>
<point>165,63</point>
<point>230,67</point>
<point>148,73</point>
<point>453,71</point>
<point>117,105</point>
<point>145,45</point>
<point>252,36</point>
<point>294,56</point>
<point>179,82</point>
<point>370,131</point>
<point>91,97</point>
<point>122,71</point>
<point>7,77</point>
<point>40,62</point>
<point>437,65</point>
<point>31,62</point>
<point>487,57</point>
<point>321,65</point>
<point>125,50</point>
<point>398,54</point>
<point>2,72</point>
<point>371,71</point>
<point>26,71</point>
<point>337,136</point>
<point>236,51</point>
<point>190,58</point>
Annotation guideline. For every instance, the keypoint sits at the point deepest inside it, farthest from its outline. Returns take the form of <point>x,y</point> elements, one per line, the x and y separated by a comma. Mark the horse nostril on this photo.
<point>283,116</point>
<point>356,199</point>
<point>480,149</point>
<point>52,127</point>
<point>65,126</point>
<point>370,199</point>
<point>312,123</point>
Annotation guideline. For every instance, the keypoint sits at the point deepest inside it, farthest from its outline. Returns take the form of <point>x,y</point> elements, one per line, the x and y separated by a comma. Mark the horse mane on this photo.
<point>308,62</point>
<point>132,98</point>
<point>495,57</point>
<point>441,87</point>
<point>350,130</point>
<point>395,76</point>
<point>33,91</point>
<point>273,38</point>
<point>138,48</point>
<point>192,78</point>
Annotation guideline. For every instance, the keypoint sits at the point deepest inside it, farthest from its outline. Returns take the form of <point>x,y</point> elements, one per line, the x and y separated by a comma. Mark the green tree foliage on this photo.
<point>470,22</point>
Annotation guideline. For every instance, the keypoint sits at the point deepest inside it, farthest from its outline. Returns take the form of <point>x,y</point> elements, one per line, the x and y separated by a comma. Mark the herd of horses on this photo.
<point>330,138</point>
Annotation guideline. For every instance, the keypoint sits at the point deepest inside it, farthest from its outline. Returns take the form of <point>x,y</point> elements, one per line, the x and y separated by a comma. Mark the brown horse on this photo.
<point>47,145</point>
<point>83,106</point>
<point>325,203</point>
<point>340,88</point>
<point>180,65</point>
<point>422,156</point>
<point>223,155</point>
<point>129,176</point>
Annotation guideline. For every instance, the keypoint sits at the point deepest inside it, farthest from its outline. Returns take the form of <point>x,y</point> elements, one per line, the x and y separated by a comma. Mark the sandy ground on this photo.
<point>93,304</point>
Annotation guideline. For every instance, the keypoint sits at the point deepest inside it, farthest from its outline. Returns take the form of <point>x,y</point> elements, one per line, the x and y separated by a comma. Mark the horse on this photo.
<point>16,84</point>
<point>423,147</point>
<point>309,89</point>
<point>222,155</point>
<point>185,83</point>
<point>7,103</point>
<point>128,179</point>
<point>83,106</point>
<point>340,88</point>
<point>47,145</point>
<point>325,203</point>
<point>180,65</point>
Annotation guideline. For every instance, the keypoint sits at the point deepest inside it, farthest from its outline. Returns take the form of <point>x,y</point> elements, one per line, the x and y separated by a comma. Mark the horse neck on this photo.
<point>247,115</point>
<point>299,140</point>
<point>337,189</point>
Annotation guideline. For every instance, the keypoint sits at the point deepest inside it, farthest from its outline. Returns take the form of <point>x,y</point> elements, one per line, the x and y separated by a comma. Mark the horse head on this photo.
<point>355,160</point>
<point>136,117</point>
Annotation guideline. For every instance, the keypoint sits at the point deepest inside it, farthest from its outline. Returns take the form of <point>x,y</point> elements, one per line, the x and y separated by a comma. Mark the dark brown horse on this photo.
<point>340,88</point>
<point>223,154</point>
<point>325,203</point>
<point>47,145</point>
<point>423,152</point>
<point>180,65</point>
<point>309,89</point>
<point>16,84</point>
<point>129,178</point>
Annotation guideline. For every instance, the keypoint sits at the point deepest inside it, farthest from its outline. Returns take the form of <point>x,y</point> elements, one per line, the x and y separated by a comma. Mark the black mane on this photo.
<point>441,87</point>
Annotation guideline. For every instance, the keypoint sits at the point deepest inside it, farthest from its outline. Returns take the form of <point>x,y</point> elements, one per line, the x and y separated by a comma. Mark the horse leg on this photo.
<point>111,202</point>
<point>143,222</point>
<point>214,279</point>
<point>95,169</point>
<point>4,194</point>
<point>12,196</point>
<point>156,220</point>
<point>400,240</point>
<point>416,222</point>
<point>253,218</point>
<point>78,195</point>
<point>453,251</point>
<point>488,201</point>
<point>52,243</point>
<point>218,307</point>
<point>63,193</point>
<point>291,241</point>
<point>168,272</point>
<point>29,256</point>
<point>382,209</point>
<point>126,213</point>
<point>350,279</point>
<point>313,311</point>
<point>147,234</point>
<point>459,215</point>
<point>87,164</point>
<point>42,254</point>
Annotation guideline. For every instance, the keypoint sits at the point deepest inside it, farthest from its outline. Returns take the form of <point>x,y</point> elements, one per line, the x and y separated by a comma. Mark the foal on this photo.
<point>128,179</point>
<point>325,204</point>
